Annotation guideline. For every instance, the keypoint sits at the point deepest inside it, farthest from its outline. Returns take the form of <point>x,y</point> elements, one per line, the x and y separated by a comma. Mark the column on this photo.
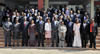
<point>46,4</point>
<point>40,4</point>
<point>2,2</point>
<point>92,8</point>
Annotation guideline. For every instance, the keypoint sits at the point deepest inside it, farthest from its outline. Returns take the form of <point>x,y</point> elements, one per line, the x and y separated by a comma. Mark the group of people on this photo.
<point>54,27</point>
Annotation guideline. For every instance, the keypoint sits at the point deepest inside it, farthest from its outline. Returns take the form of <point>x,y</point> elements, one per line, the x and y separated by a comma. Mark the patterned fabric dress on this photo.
<point>32,38</point>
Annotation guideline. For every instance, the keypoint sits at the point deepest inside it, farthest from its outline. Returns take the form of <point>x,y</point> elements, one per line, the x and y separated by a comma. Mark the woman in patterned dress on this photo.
<point>31,33</point>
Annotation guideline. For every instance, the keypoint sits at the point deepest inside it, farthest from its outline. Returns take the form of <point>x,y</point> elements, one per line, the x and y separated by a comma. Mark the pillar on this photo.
<point>40,4</point>
<point>1,1</point>
<point>92,8</point>
<point>46,4</point>
<point>1,6</point>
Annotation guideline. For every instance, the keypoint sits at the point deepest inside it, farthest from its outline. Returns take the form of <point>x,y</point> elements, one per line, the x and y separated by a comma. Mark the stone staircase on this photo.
<point>2,44</point>
<point>98,39</point>
<point>2,41</point>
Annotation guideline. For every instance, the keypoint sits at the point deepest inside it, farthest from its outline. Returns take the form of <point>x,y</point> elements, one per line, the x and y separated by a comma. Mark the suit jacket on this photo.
<point>62,32</point>
<point>16,27</point>
<point>95,30</point>
<point>84,28</point>
<point>41,26</point>
<point>55,26</point>
<point>70,27</point>
<point>25,26</point>
<point>7,26</point>
<point>62,29</point>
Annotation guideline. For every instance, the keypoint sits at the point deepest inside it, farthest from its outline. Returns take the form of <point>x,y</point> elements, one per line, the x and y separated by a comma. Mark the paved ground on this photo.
<point>46,51</point>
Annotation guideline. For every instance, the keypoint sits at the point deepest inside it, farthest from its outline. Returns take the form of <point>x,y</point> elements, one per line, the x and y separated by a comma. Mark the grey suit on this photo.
<point>7,26</point>
<point>25,33</point>
<point>41,31</point>
<point>16,33</point>
<point>55,37</point>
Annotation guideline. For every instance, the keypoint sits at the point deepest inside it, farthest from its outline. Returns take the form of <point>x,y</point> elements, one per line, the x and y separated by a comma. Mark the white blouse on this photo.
<point>62,29</point>
<point>47,26</point>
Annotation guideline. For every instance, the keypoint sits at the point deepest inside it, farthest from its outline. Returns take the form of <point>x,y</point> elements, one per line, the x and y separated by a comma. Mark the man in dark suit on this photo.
<point>93,33</point>
<point>25,32</point>
<point>7,26</point>
<point>70,35</point>
<point>84,34</point>
<point>41,32</point>
<point>55,37</point>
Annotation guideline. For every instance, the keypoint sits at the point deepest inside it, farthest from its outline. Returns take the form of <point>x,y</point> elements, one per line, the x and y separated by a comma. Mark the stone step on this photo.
<point>1,31</point>
<point>98,34</point>
<point>97,46</point>
<point>98,28</point>
<point>2,34</point>
<point>1,28</point>
<point>2,45</point>
<point>11,40</point>
<point>56,48</point>
<point>97,38</point>
<point>1,37</point>
<point>20,40</point>
<point>97,42</point>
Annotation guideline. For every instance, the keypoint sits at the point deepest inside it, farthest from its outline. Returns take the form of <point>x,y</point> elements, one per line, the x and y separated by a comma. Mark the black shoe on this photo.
<point>42,45</point>
<point>52,45</point>
<point>38,45</point>
<point>5,45</point>
<point>17,45</point>
<point>13,45</point>
<point>90,47</point>
<point>9,45</point>
<point>94,47</point>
